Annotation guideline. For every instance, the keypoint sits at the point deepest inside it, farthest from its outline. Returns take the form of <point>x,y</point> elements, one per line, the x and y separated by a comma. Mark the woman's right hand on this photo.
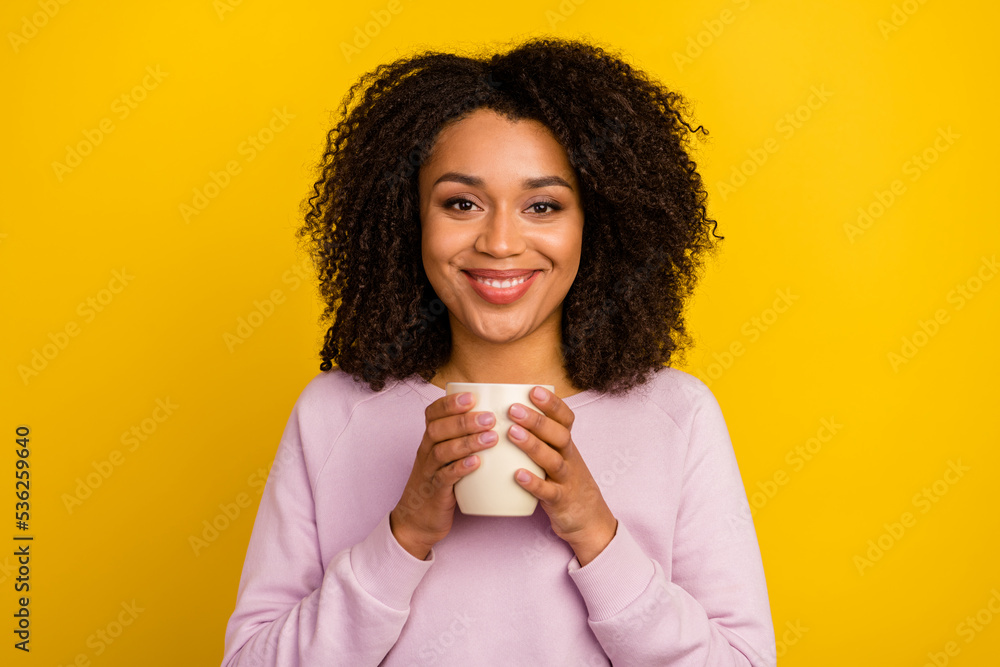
<point>452,435</point>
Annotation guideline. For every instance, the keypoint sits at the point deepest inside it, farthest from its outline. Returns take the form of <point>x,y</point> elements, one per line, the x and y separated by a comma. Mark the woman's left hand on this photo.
<point>570,495</point>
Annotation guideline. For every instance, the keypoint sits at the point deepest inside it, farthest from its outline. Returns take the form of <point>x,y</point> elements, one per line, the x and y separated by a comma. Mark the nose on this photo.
<point>501,234</point>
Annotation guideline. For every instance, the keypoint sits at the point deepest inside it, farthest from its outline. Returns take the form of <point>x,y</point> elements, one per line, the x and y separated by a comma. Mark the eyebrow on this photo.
<point>528,183</point>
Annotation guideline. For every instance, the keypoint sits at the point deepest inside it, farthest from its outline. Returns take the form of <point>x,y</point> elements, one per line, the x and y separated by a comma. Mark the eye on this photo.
<point>544,207</point>
<point>460,200</point>
<point>550,204</point>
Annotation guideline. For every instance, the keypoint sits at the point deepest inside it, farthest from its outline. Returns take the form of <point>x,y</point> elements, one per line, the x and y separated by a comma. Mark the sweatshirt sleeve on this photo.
<point>291,608</point>
<point>714,609</point>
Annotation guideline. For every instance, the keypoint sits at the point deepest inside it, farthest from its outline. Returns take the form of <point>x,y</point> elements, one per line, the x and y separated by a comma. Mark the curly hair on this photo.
<point>642,197</point>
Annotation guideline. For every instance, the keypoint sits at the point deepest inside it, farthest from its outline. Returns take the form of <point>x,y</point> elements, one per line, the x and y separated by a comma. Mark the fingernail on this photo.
<point>522,476</point>
<point>485,419</point>
<point>517,432</point>
<point>465,399</point>
<point>488,437</point>
<point>538,393</point>
<point>471,461</point>
<point>518,411</point>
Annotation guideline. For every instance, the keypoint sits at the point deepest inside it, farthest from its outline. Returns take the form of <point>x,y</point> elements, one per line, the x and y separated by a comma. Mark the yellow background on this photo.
<point>892,76</point>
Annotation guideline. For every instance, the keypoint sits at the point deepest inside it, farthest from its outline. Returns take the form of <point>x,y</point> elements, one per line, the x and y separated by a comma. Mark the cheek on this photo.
<point>437,250</point>
<point>574,255</point>
<point>570,259</point>
<point>443,242</point>
<point>430,248</point>
<point>426,255</point>
<point>564,250</point>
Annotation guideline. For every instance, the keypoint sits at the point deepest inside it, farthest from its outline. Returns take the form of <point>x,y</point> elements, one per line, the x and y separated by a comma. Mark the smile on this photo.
<point>501,291</point>
<point>502,283</point>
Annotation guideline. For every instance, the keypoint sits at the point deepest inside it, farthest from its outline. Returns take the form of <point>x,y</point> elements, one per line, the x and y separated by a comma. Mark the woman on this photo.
<point>531,217</point>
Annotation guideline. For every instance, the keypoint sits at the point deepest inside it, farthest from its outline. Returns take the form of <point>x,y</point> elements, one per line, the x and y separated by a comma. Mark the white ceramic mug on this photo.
<point>490,489</point>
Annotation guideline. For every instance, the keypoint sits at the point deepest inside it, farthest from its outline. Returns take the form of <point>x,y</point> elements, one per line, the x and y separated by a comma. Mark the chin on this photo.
<point>499,333</point>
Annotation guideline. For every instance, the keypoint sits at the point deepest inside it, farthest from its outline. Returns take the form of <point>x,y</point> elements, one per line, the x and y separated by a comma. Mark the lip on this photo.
<point>500,295</point>
<point>499,275</point>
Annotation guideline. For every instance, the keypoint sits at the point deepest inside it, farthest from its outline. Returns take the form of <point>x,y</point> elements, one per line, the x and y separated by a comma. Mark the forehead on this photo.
<point>485,140</point>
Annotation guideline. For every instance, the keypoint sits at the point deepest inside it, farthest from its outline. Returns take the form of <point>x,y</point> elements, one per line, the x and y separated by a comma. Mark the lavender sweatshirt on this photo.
<point>326,583</point>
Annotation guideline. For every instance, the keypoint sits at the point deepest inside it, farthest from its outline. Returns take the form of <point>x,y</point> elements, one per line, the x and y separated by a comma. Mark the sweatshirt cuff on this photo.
<point>615,578</point>
<point>386,570</point>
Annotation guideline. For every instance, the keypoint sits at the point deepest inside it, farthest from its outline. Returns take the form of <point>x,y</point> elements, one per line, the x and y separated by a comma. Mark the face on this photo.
<point>501,226</point>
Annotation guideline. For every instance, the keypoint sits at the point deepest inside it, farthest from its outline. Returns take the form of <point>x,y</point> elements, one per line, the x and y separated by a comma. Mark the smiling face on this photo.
<point>501,227</point>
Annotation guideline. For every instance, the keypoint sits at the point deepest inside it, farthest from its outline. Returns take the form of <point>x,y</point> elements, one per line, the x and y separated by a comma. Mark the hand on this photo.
<point>423,515</point>
<point>570,495</point>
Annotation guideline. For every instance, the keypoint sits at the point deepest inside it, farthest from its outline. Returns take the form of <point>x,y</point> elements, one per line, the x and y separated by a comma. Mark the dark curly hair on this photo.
<point>645,224</point>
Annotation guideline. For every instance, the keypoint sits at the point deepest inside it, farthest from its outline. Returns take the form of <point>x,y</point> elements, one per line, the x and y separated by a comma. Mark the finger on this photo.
<point>545,491</point>
<point>447,452</point>
<point>450,474</point>
<point>544,428</point>
<point>550,460</point>
<point>455,426</point>
<point>435,487</point>
<point>451,404</point>
<point>552,406</point>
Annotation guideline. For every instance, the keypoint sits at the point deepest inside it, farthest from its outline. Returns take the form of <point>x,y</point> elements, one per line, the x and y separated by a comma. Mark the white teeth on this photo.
<point>502,284</point>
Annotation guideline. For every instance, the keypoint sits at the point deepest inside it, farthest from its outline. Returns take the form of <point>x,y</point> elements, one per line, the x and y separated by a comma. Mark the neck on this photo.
<point>533,359</point>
